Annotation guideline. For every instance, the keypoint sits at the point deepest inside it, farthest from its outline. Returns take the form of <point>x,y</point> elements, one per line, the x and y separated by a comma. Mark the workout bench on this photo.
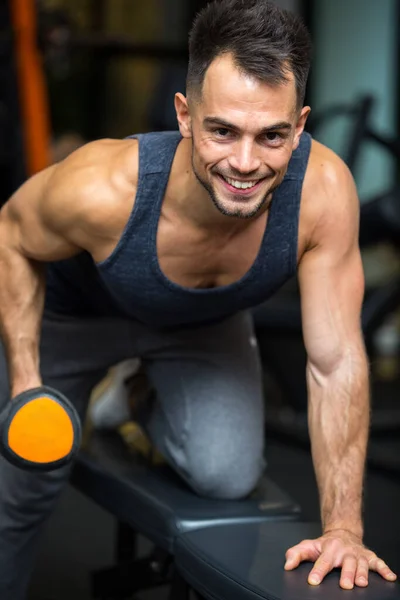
<point>154,502</point>
<point>219,550</point>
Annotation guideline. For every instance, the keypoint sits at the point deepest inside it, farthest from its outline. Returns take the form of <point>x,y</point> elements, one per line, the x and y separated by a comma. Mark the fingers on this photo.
<point>302,552</point>
<point>355,561</point>
<point>379,566</point>
<point>361,578</point>
<point>354,570</point>
<point>321,568</point>
<point>349,570</point>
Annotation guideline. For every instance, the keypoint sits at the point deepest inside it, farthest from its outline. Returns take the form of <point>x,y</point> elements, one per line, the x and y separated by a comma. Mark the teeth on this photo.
<point>241,185</point>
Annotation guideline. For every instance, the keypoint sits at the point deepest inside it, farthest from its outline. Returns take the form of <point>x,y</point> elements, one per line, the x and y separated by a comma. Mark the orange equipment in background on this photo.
<point>32,87</point>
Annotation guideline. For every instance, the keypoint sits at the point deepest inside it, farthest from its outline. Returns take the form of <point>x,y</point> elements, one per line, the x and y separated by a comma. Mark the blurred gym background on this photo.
<point>77,70</point>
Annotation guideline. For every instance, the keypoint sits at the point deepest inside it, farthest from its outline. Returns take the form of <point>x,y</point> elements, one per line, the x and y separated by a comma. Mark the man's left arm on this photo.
<point>332,289</point>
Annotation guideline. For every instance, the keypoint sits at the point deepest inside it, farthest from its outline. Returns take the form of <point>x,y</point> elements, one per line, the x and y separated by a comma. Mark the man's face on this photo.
<point>243,134</point>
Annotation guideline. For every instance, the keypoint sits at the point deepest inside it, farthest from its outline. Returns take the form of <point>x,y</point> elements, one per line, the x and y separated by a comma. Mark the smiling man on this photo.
<point>242,137</point>
<point>157,245</point>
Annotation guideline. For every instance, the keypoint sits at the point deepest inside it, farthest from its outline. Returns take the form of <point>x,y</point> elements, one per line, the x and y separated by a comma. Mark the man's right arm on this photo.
<point>28,239</point>
<point>79,204</point>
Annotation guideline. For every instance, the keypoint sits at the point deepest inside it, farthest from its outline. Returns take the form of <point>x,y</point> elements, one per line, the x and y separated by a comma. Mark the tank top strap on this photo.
<point>156,154</point>
<point>156,151</point>
<point>283,222</point>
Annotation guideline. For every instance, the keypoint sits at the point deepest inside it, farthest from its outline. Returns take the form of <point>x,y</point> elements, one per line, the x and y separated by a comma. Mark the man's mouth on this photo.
<point>240,186</point>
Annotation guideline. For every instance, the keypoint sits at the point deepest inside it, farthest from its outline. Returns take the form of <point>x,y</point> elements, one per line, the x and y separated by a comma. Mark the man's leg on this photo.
<point>74,357</point>
<point>207,415</point>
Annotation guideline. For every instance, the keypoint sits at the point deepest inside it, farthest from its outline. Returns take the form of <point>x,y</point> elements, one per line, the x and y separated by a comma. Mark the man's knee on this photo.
<point>223,478</point>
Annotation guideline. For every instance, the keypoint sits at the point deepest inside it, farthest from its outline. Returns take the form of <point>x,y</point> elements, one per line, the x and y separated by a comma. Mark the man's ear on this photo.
<point>301,123</point>
<point>183,115</point>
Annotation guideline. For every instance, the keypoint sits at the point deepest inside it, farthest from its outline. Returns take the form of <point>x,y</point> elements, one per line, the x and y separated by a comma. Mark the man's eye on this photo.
<point>222,131</point>
<point>273,136</point>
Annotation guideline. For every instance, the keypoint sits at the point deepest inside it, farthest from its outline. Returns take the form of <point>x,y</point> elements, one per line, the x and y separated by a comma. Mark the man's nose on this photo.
<point>244,158</point>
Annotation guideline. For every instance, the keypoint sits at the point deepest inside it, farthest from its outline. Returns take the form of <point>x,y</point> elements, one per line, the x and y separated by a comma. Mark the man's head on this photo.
<point>248,68</point>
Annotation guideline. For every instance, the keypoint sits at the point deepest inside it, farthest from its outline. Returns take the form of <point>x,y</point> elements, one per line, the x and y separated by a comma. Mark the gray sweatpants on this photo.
<point>207,419</point>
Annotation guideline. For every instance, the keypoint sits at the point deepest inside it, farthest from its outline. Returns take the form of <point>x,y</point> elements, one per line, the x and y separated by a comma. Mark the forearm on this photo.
<point>22,285</point>
<point>339,424</point>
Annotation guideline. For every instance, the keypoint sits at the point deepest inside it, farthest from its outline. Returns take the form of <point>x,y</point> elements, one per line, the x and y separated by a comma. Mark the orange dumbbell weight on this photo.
<point>40,430</point>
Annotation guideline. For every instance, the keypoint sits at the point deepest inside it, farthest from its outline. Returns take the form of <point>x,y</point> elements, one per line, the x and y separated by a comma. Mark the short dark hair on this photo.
<point>265,41</point>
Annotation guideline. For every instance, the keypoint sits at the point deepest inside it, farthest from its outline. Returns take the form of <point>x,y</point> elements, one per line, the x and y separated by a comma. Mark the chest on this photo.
<point>192,258</point>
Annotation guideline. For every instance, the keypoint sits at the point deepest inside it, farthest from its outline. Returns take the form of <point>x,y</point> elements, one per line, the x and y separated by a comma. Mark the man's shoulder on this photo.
<point>102,157</point>
<point>98,170</point>
<point>325,168</point>
<point>329,194</point>
<point>95,186</point>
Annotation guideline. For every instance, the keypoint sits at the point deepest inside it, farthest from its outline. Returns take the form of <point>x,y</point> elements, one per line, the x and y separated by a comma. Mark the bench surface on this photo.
<point>245,562</point>
<point>156,502</point>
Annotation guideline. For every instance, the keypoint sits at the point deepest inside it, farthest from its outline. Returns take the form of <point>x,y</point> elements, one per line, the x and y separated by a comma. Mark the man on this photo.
<point>156,246</point>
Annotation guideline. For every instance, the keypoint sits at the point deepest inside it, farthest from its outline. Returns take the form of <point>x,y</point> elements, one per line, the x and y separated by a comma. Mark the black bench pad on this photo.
<point>245,562</point>
<point>156,502</point>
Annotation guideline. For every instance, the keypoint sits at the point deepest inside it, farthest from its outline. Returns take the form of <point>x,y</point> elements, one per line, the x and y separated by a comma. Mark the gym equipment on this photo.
<point>59,39</point>
<point>39,430</point>
<point>12,166</point>
<point>32,88</point>
<point>220,549</point>
<point>278,321</point>
<point>156,503</point>
<point>245,562</point>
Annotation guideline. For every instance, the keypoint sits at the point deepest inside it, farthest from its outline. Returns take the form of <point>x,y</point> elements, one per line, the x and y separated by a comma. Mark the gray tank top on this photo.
<point>130,282</point>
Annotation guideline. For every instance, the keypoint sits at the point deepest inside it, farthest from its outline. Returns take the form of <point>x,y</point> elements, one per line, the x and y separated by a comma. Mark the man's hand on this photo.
<point>338,548</point>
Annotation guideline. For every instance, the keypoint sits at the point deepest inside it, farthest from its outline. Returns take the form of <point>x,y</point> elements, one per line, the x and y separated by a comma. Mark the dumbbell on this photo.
<point>40,430</point>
